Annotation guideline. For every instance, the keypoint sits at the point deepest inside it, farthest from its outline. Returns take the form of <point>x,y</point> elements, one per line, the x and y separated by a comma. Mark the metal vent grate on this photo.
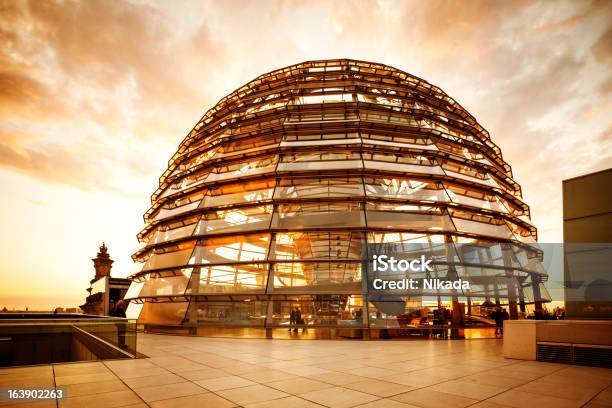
<point>566,353</point>
<point>593,356</point>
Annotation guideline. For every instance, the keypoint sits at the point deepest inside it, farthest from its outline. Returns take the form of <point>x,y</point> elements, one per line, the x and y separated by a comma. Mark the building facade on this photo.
<point>270,204</point>
<point>104,291</point>
<point>587,236</point>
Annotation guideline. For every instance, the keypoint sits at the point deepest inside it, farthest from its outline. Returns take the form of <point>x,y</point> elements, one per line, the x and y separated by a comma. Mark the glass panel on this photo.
<point>474,198</point>
<point>168,259</point>
<point>310,215</point>
<point>321,165</point>
<point>405,189</point>
<point>133,310</point>
<point>230,279</point>
<point>391,216</point>
<point>170,234</point>
<point>320,310</point>
<point>252,192</point>
<point>134,290</point>
<point>317,245</point>
<point>486,181</point>
<point>231,249</point>
<point>318,276</point>
<point>323,160</point>
<point>320,137</point>
<point>404,239</point>
<point>399,167</point>
<point>163,313</point>
<point>239,313</point>
<point>320,156</point>
<point>168,212</point>
<point>171,285</point>
<point>235,220</point>
<point>241,169</point>
<point>319,188</point>
<point>423,142</point>
<point>100,286</point>
<point>481,225</point>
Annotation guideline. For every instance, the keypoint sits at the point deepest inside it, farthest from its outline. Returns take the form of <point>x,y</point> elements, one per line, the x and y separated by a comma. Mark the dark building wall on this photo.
<point>587,233</point>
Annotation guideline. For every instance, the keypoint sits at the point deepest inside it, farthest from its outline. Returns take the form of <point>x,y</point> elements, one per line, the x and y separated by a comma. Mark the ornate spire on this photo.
<point>102,263</point>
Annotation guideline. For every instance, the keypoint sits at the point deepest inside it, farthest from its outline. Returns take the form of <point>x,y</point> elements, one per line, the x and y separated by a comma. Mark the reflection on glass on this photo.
<point>319,187</point>
<point>235,219</point>
<point>242,248</point>
<point>340,276</point>
<point>317,245</point>
<point>318,215</point>
<point>244,313</point>
<point>230,278</point>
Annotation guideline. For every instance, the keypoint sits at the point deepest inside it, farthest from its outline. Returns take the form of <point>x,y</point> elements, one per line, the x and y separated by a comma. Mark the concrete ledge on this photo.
<point>520,339</point>
<point>522,336</point>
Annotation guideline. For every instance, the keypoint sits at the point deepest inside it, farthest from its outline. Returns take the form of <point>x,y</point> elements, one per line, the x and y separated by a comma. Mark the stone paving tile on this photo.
<point>412,379</point>
<point>578,392</point>
<point>207,399</point>
<point>224,383</point>
<point>338,378</point>
<point>338,397</point>
<point>167,391</point>
<point>264,376</point>
<point>604,397</point>
<point>428,398</point>
<point>386,403</point>
<point>468,389</point>
<point>79,368</point>
<point>490,378</point>
<point>105,400</point>
<point>288,402</point>
<point>378,387</point>
<point>252,394</point>
<point>137,373</point>
<point>152,380</point>
<point>84,378</point>
<point>521,399</point>
<point>371,372</point>
<point>77,390</point>
<point>203,374</point>
<point>37,404</point>
<point>298,385</point>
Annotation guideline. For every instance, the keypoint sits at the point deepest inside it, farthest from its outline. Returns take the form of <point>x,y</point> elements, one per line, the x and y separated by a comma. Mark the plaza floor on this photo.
<point>216,372</point>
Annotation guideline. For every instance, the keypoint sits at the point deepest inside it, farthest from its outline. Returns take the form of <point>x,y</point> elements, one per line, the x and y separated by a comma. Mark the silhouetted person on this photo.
<point>298,319</point>
<point>498,316</point>
<point>291,319</point>
<point>119,309</point>
<point>121,327</point>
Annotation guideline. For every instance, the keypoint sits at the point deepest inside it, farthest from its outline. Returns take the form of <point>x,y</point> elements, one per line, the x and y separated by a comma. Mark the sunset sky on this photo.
<point>96,96</point>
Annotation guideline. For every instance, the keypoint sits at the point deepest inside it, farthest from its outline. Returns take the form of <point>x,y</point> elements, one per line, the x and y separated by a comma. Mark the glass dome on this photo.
<point>268,202</point>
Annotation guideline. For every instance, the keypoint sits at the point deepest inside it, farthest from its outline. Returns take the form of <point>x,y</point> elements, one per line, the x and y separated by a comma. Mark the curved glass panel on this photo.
<point>229,279</point>
<point>241,248</point>
<point>318,215</point>
<point>316,245</point>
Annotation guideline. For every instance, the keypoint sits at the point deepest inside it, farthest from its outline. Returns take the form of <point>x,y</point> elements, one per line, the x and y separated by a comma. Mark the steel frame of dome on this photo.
<point>268,201</point>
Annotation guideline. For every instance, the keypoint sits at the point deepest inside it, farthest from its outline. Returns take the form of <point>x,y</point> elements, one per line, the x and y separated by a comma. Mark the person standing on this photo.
<point>505,316</point>
<point>498,316</point>
<point>298,319</point>
<point>291,319</point>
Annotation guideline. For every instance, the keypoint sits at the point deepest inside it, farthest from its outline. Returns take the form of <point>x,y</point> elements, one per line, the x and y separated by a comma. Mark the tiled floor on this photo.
<point>214,372</point>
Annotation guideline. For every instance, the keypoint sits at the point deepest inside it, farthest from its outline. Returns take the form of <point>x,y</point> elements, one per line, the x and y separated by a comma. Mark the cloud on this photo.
<point>90,83</point>
<point>99,92</point>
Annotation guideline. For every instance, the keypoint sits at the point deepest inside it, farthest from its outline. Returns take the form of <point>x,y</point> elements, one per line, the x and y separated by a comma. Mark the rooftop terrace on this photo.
<point>221,372</point>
